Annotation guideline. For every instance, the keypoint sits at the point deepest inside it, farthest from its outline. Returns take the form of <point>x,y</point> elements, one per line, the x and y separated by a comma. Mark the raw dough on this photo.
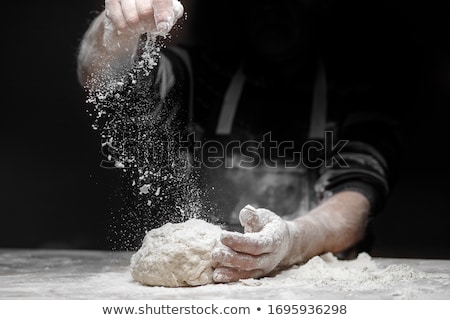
<point>176,255</point>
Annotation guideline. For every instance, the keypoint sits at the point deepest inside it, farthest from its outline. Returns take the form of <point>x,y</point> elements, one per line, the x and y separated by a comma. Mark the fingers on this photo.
<point>224,274</point>
<point>254,259</point>
<point>263,232</point>
<point>253,220</point>
<point>140,16</point>
<point>145,11</point>
<point>178,9</point>
<point>131,15</point>
<point>164,15</point>
<point>232,266</point>
<point>225,257</point>
<point>113,11</point>
<point>253,253</point>
<point>250,243</point>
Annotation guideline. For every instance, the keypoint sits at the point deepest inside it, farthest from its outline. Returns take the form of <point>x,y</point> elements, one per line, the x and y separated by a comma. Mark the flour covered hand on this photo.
<point>109,47</point>
<point>264,245</point>
<point>141,16</point>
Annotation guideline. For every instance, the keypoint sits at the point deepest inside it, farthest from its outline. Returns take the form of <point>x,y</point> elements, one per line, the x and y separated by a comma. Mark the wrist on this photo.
<point>301,242</point>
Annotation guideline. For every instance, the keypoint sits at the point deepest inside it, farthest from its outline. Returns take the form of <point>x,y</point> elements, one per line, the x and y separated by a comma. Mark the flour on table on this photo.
<point>327,271</point>
<point>176,255</point>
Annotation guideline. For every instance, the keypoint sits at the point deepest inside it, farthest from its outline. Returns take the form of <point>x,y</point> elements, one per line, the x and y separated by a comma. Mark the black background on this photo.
<point>55,195</point>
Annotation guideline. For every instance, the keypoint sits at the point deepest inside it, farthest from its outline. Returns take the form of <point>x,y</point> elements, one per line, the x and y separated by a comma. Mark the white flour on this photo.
<point>44,274</point>
<point>327,270</point>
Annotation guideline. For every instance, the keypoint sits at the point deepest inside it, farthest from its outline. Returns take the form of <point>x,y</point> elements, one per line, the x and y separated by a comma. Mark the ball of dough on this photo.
<point>176,255</point>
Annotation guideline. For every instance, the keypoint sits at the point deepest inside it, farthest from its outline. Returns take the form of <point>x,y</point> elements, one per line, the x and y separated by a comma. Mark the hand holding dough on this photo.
<point>265,243</point>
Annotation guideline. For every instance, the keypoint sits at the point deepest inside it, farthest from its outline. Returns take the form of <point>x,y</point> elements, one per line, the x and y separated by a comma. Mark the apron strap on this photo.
<point>230,103</point>
<point>319,106</point>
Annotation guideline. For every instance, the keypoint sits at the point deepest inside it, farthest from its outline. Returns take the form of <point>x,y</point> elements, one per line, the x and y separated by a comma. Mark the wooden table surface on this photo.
<point>91,275</point>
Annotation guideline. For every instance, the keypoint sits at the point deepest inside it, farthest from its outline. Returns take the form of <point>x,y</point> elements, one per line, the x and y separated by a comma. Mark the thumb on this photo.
<point>164,16</point>
<point>252,219</point>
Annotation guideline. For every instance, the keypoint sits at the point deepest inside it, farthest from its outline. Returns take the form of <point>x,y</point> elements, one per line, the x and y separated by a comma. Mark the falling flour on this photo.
<point>176,255</point>
<point>143,135</point>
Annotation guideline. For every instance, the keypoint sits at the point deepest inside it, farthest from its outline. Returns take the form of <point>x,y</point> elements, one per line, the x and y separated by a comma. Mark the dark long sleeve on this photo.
<point>369,160</point>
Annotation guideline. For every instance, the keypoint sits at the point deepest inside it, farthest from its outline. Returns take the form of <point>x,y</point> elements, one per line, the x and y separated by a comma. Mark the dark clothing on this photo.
<point>271,128</point>
<point>202,137</point>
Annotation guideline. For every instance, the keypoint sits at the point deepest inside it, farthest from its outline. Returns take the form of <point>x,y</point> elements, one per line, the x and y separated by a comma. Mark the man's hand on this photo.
<point>265,243</point>
<point>135,17</point>
<point>270,241</point>
<point>109,45</point>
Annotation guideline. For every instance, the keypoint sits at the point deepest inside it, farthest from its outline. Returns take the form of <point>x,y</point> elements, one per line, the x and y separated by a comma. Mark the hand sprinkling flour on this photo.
<point>140,132</point>
<point>127,18</point>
